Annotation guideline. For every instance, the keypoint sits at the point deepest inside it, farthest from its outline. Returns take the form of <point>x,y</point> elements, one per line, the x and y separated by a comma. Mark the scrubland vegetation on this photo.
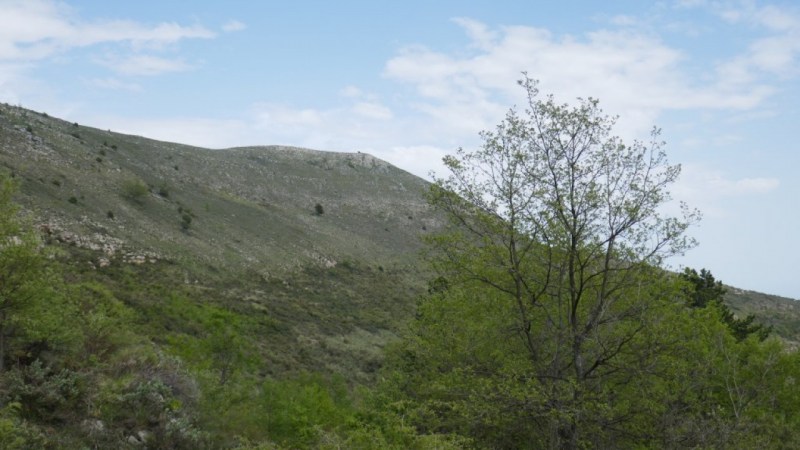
<point>549,321</point>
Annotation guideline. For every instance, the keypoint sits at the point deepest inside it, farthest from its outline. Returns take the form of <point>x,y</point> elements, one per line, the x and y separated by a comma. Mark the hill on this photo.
<point>322,246</point>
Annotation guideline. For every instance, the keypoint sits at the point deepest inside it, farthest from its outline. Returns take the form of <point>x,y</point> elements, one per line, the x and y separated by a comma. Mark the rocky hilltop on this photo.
<point>267,208</point>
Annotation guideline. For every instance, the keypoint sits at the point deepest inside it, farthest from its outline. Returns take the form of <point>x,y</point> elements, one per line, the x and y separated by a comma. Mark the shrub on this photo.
<point>110,215</point>
<point>318,210</point>
<point>44,394</point>
<point>186,221</point>
<point>134,190</point>
<point>73,200</point>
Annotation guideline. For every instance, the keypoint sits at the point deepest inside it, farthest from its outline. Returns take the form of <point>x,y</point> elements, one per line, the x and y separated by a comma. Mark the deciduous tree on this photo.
<point>558,240</point>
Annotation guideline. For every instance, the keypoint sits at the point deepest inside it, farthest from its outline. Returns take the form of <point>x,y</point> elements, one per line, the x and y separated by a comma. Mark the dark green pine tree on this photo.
<point>703,289</point>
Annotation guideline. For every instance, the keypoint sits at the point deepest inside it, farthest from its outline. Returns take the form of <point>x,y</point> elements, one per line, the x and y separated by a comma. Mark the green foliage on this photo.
<point>163,191</point>
<point>44,395</point>
<point>702,290</point>
<point>186,221</point>
<point>24,282</point>
<point>16,434</point>
<point>551,324</point>
<point>318,209</point>
<point>554,250</point>
<point>189,353</point>
<point>135,190</point>
<point>213,341</point>
<point>71,358</point>
<point>702,287</point>
<point>298,410</point>
<point>152,406</point>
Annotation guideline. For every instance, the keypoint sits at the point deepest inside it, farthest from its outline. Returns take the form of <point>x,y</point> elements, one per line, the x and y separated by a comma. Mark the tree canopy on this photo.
<point>553,322</point>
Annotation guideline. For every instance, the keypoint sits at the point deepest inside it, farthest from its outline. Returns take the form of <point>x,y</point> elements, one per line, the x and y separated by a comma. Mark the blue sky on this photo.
<point>411,81</point>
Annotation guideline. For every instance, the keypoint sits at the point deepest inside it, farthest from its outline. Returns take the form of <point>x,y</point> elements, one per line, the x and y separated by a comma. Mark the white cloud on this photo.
<point>482,37</point>
<point>775,53</point>
<point>285,116</point>
<point>635,75</point>
<point>350,92</point>
<point>372,111</point>
<point>420,160</point>
<point>33,32</point>
<point>202,132</point>
<point>233,25</point>
<point>114,84</point>
<point>751,185</point>
<point>146,65</point>
<point>35,29</point>
<point>623,20</point>
<point>707,188</point>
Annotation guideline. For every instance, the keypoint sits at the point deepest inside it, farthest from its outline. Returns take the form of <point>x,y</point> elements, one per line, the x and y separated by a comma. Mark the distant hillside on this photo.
<point>322,247</point>
<point>780,312</point>
<point>248,206</point>
<point>325,245</point>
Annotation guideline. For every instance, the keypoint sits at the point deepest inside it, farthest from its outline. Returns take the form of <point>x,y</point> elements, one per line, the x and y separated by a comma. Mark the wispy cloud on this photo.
<point>35,29</point>
<point>233,25</point>
<point>706,188</point>
<point>776,52</point>
<point>114,84</point>
<point>634,74</point>
<point>34,32</point>
<point>144,65</point>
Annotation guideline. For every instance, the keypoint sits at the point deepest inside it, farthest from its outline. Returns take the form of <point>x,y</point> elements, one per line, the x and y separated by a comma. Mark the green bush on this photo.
<point>135,190</point>
<point>43,394</point>
<point>15,433</point>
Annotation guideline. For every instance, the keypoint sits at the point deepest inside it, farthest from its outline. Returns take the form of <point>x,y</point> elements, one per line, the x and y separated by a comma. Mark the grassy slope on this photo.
<point>782,313</point>
<point>324,291</point>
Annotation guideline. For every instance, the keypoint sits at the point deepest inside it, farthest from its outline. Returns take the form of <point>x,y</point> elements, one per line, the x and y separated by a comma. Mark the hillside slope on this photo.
<point>324,247</point>
<point>248,206</point>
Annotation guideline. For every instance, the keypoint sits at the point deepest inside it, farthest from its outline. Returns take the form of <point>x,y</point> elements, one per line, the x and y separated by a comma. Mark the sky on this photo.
<point>412,81</point>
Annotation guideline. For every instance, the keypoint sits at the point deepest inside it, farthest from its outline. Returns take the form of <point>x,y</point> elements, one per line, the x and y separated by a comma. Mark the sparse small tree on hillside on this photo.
<point>135,190</point>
